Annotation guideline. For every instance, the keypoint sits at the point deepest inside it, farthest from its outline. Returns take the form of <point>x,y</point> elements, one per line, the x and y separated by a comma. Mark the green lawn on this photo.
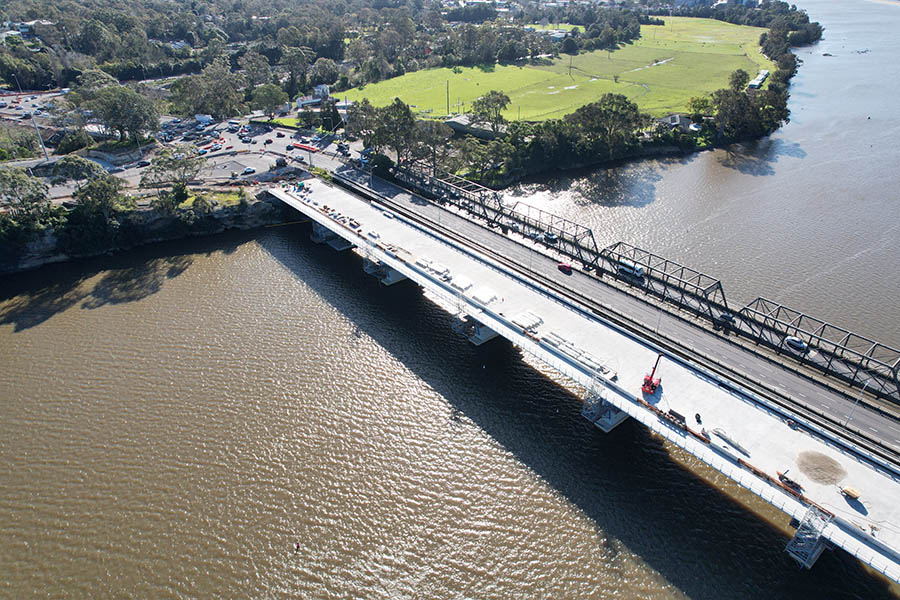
<point>661,71</point>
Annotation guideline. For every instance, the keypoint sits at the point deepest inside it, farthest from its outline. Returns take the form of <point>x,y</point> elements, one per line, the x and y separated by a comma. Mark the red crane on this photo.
<point>650,384</point>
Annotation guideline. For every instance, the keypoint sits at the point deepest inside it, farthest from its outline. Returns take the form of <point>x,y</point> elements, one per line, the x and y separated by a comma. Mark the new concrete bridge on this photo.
<point>720,403</point>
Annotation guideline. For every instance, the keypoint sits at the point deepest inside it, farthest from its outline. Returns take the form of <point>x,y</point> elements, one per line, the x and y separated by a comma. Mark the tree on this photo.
<point>77,168</point>
<point>256,68</point>
<point>614,120</point>
<point>88,83</point>
<point>569,46</point>
<point>269,98</point>
<point>25,195</point>
<point>488,109</point>
<point>121,109</point>
<point>432,143</point>
<point>296,59</point>
<point>738,80</point>
<point>99,194</point>
<point>395,128</point>
<point>324,70</point>
<point>699,107</point>
<point>74,139</point>
<point>169,170</point>
<point>216,91</point>
<point>331,118</point>
<point>362,122</point>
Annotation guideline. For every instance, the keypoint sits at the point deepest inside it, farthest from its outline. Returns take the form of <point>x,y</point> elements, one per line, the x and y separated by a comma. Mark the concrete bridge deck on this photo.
<point>741,434</point>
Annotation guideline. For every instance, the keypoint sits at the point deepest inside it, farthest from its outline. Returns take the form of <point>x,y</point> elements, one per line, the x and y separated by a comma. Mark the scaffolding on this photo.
<point>807,544</point>
<point>673,282</point>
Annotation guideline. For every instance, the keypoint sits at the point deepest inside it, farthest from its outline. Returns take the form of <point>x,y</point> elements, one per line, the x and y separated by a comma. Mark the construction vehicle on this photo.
<point>650,384</point>
<point>791,483</point>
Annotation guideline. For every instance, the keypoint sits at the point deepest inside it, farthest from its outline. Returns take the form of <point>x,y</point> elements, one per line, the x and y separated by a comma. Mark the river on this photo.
<point>177,418</point>
<point>807,217</point>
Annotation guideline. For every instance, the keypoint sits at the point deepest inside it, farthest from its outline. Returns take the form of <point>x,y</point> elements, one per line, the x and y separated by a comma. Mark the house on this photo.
<point>677,121</point>
<point>463,124</point>
<point>27,29</point>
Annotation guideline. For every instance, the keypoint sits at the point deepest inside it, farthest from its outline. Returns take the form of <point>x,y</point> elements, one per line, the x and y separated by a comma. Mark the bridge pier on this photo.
<point>321,234</point>
<point>600,412</point>
<point>385,274</point>
<point>476,332</point>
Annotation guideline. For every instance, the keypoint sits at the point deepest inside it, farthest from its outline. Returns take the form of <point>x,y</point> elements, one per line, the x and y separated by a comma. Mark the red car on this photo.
<point>565,268</point>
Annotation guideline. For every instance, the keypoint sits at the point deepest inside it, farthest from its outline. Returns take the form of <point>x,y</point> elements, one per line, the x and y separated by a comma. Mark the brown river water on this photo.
<point>177,418</point>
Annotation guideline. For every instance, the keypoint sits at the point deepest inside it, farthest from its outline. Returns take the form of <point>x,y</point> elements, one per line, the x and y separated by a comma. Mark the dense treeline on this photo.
<point>378,38</point>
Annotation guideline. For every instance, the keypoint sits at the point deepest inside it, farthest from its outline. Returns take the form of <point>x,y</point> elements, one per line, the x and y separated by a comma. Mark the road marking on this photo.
<point>873,429</point>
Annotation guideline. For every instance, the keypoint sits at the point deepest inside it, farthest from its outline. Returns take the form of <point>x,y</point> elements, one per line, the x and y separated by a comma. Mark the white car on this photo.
<point>248,171</point>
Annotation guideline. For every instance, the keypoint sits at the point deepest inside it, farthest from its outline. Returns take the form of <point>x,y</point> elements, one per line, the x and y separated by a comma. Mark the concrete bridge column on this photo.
<point>385,274</point>
<point>476,332</point>
<point>600,412</point>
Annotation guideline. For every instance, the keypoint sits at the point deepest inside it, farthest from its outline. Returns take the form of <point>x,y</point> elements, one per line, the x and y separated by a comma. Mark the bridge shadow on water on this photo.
<point>700,539</point>
<point>33,297</point>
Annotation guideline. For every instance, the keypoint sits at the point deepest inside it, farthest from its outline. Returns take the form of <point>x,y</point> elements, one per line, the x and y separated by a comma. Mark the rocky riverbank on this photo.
<point>146,226</point>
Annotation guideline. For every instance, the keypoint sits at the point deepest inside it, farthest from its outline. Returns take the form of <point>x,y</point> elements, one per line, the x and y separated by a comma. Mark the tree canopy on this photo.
<point>488,109</point>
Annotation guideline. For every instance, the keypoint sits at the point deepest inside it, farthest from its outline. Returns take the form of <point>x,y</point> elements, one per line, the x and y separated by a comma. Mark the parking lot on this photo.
<point>17,106</point>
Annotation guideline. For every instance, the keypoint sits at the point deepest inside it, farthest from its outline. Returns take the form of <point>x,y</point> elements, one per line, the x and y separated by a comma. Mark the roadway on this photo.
<point>840,409</point>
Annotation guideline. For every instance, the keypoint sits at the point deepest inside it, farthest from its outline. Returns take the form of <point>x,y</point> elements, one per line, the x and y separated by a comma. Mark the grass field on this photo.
<point>661,71</point>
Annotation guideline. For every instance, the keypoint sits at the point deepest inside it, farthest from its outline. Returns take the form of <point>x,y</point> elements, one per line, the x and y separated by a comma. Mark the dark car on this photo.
<point>268,141</point>
<point>565,268</point>
<point>289,147</point>
<point>279,134</point>
<point>142,163</point>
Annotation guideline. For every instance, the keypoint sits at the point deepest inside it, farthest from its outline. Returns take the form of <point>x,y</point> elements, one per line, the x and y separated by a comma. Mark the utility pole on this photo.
<point>448,97</point>
<point>36,130</point>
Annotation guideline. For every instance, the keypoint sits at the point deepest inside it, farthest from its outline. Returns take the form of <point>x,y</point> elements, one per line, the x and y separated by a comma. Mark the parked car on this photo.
<point>279,134</point>
<point>268,141</point>
<point>142,163</point>
<point>115,169</point>
<point>248,171</point>
<point>289,147</point>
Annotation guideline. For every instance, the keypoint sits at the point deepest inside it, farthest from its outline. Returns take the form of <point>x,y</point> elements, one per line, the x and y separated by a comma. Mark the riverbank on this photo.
<point>146,226</point>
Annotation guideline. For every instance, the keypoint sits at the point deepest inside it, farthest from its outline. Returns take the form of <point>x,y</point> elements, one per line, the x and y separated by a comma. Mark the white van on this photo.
<point>626,267</point>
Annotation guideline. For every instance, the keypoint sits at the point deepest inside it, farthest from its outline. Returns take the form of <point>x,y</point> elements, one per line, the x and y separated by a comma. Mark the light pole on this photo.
<point>36,130</point>
<point>855,404</point>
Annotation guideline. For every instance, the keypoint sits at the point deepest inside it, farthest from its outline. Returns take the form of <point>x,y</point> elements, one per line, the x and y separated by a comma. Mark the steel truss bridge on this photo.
<point>852,358</point>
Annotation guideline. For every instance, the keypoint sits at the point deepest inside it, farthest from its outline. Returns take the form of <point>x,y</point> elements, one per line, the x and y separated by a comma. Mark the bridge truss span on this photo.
<point>858,360</point>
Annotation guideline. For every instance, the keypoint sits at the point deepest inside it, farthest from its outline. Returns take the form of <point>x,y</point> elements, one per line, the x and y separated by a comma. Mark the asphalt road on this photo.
<point>788,383</point>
